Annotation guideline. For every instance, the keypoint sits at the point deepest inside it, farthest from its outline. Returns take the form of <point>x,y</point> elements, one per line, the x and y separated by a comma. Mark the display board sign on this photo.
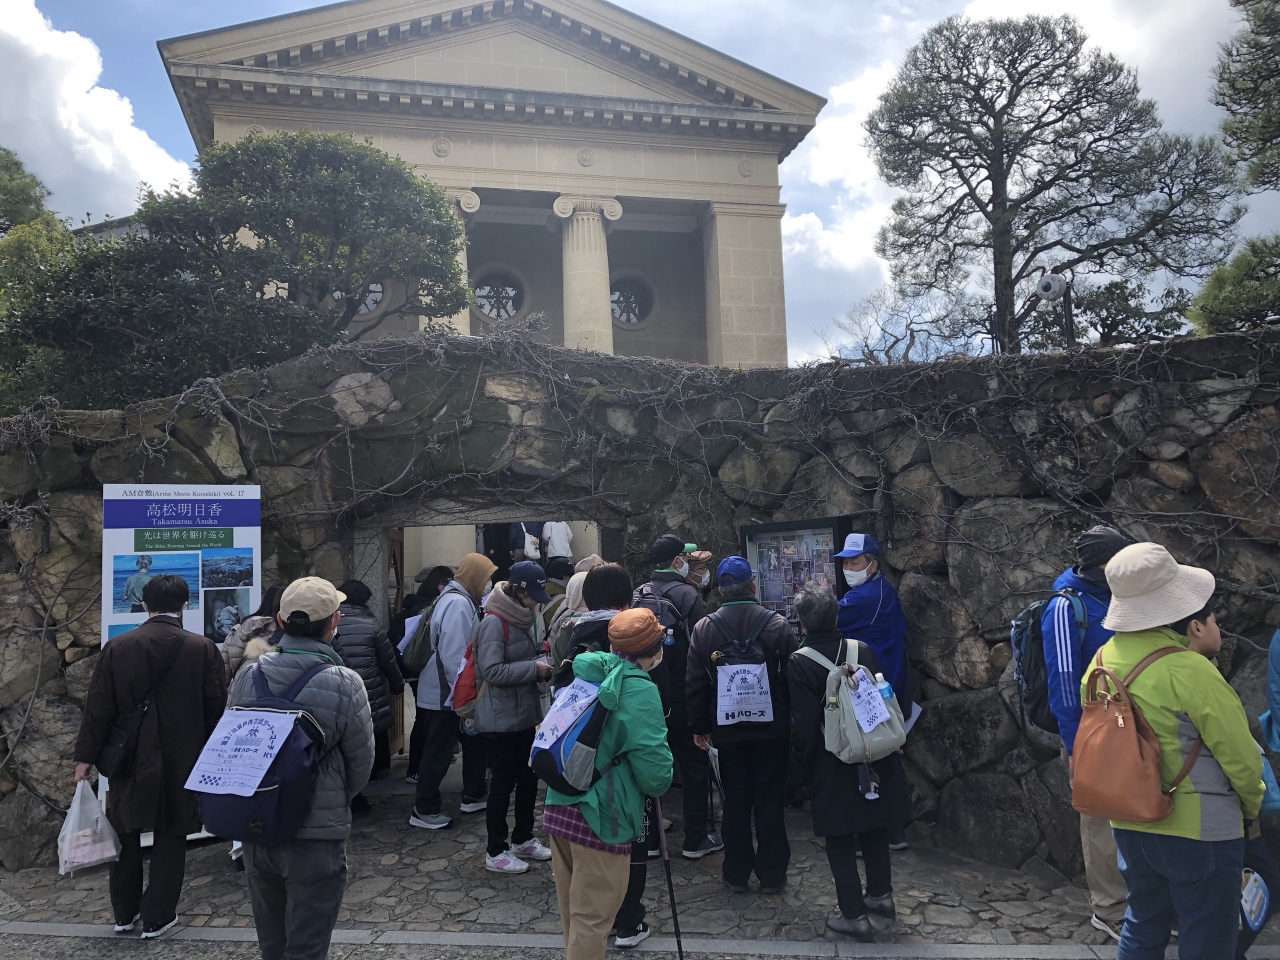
<point>211,536</point>
<point>787,555</point>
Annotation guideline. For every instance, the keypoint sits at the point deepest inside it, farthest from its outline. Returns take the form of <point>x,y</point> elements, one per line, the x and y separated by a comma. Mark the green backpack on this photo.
<point>419,649</point>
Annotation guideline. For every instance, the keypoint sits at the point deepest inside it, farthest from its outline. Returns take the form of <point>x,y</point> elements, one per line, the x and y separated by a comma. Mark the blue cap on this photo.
<point>529,574</point>
<point>732,571</point>
<point>856,544</point>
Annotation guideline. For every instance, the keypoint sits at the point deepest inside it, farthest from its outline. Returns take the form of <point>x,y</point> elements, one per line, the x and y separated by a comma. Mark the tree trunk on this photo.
<point>1005,328</point>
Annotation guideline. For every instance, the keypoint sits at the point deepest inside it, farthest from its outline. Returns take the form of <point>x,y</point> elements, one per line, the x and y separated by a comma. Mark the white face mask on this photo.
<point>656,660</point>
<point>855,578</point>
<point>705,578</point>
<point>680,568</point>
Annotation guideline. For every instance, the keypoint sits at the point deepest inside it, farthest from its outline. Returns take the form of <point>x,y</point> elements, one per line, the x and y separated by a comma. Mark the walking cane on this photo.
<point>671,887</point>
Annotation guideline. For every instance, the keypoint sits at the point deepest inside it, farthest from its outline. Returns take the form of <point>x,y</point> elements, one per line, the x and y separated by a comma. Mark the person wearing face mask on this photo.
<point>508,710</point>
<point>669,591</point>
<point>699,575</point>
<point>870,612</point>
<point>592,834</point>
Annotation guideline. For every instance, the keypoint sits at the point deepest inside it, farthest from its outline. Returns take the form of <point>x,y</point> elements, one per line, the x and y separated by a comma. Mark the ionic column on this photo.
<point>463,203</point>
<point>588,322</point>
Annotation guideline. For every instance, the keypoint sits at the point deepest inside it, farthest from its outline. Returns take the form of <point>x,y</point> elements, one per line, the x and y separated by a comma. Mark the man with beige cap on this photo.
<point>1183,871</point>
<point>296,888</point>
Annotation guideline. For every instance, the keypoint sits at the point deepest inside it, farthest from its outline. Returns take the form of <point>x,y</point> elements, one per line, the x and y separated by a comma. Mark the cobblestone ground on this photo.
<point>403,878</point>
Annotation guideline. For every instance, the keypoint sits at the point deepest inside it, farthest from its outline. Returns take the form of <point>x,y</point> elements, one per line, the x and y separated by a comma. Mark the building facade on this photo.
<point>613,175</point>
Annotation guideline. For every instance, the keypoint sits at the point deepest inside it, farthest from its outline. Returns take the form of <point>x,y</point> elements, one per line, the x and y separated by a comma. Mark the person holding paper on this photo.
<point>736,685</point>
<point>852,804</point>
<point>181,675</point>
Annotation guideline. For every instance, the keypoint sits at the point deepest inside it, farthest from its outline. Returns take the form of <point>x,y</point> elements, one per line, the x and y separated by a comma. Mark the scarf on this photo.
<point>572,605</point>
<point>509,610</point>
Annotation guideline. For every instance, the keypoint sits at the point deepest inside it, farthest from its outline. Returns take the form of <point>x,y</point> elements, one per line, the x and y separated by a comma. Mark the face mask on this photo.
<point>680,568</point>
<point>855,578</point>
<point>656,660</point>
<point>705,578</point>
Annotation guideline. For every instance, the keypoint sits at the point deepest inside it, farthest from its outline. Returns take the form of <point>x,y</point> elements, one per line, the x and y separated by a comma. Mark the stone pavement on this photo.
<point>405,879</point>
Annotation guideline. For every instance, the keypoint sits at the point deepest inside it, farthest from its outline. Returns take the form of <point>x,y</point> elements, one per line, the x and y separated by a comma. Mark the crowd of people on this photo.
<point>686,677</point>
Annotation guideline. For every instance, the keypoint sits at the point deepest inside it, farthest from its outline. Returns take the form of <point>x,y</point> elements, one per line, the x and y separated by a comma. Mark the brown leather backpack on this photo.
<point>1116,764</point>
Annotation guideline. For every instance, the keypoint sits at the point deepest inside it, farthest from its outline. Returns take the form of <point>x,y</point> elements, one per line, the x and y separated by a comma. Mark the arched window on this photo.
<point>499,296</point>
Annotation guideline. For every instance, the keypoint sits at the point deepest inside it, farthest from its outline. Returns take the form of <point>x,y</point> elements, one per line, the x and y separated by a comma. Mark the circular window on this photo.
<point>499,296</point>
<point>372,299</point>
<point>631,301</point>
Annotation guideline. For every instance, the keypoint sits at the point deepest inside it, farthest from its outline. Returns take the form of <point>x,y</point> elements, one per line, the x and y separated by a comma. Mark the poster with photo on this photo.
<point>786,560</point>
<point>209,535</point>
<point>788,548</point>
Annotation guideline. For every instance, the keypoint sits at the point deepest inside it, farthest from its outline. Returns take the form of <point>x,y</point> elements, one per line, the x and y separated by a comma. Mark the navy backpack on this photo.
<point>275,812</point>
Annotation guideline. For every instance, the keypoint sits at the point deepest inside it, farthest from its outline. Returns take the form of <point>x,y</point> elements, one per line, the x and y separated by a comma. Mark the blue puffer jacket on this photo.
<point>1065,657</point>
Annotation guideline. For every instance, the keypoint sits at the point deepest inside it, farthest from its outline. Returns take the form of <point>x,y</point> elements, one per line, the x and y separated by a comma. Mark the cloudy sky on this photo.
<point>88,107</point>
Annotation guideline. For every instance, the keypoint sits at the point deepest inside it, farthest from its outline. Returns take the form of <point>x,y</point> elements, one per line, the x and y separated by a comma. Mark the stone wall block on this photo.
<point>1240,471</point>
<point>922,506</point>
<point>1004,553</point>
<point>1048,791</point>
<point>28,831</point>
<point>216,439</point>
<point>760,478</point>
<point>987,816</point>
<point>63,560</point>
<point>822,489</point>
<point>857,459</point>
<point>42,748</point>
<point>942,639</point>
<point>923,794</point>
<point>1044,744</point>
<point>151,456</point>
<point>971,465</point>
<point>960,733</point>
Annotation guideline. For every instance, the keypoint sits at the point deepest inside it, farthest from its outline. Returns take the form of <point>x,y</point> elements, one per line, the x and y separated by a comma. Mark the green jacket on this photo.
<point>1183,696</point>
<point>635,732</point>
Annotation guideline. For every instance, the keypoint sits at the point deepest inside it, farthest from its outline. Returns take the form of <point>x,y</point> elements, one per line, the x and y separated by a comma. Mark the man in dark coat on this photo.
<point>366,649</point>
<point>670,557</point>
<point>187,683</point>
<point>843,812</point>
<point>752,740</point>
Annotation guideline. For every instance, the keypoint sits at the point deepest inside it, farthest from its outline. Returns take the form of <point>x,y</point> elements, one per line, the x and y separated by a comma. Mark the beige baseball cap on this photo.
<point>314,596</point>
<point>1150,589</point>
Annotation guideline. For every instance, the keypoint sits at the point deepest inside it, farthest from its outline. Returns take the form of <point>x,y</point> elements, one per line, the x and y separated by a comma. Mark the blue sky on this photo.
<point>93,133</point>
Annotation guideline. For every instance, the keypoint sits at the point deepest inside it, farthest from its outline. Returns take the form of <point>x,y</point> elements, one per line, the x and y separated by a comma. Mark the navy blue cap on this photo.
<point>732,571</point>
<point>529,574</point>
<point>856,544</point>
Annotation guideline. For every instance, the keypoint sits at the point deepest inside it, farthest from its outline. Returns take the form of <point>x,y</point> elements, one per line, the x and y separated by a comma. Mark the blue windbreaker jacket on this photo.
<point>871,613</point>
<point>1065,657</point>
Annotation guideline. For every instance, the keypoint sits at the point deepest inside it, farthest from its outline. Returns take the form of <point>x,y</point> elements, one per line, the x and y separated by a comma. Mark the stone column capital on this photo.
<point>464,201</point>
<point>566,206</point>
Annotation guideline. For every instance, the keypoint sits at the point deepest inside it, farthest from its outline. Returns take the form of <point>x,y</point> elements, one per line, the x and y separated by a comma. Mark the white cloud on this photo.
<point>78,137</point>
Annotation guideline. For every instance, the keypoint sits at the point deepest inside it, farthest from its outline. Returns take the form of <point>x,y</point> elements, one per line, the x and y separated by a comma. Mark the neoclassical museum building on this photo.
<point>613,175</point>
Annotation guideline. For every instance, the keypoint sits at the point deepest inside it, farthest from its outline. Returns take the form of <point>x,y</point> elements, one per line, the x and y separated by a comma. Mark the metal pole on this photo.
<point>1068,320</point>
<point>671,887</point>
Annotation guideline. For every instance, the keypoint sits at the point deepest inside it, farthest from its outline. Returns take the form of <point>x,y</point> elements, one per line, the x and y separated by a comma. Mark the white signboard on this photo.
<point>238,752</point>
<point>570,704</point>
<point>211,536</point>
<point>742,693</point>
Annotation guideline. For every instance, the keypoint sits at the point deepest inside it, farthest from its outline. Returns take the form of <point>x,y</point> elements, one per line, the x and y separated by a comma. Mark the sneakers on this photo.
<point>712,843</point>
<point>505,862</point>
<point>774,888</point>
<point>473,806</point>
<point>532,849</point>
<point>859,927</point>
<point>429,821</point>
<point>411,778</point>
<point>1112,930</point>
<point>881,906</point>
<point>738,887</point>
<point>632,937</point>
<point>655,853</point>
<point>128,927</point>
<point>155,930</point>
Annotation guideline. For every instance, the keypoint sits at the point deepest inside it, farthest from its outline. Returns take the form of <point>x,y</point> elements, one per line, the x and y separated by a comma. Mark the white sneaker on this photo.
<point>505,862</point>
<point>126,927</point>
<point>532,849</point>
<point>429,821</point>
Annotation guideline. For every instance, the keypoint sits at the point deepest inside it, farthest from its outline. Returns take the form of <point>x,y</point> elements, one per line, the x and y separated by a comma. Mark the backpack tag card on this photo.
<point>868,705</point>
<point>570,704</point>
<point>742,693</point>
<point>237,754</point>
<point>1254,900</point>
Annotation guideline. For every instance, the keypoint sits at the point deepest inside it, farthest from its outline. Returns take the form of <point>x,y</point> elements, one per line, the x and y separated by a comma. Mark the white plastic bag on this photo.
<point>86,838</point>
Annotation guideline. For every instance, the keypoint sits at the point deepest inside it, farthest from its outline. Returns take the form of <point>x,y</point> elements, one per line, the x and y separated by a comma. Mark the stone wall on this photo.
<point>975,475</point>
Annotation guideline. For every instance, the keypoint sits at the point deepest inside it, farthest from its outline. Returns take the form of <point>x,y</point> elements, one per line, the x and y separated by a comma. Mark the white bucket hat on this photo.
<point>1150,589</point>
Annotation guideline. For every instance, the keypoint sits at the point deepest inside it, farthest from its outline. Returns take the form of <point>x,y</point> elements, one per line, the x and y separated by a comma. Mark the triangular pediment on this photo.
<point>510,55</point>
<point>586,47</point>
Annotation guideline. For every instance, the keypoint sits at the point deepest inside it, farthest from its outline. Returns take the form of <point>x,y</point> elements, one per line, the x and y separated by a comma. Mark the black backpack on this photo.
<point>1027,640</point>
<point>653,597</point>
<point>563,674</point>
<point>274,813</point>
<point>735,650</point>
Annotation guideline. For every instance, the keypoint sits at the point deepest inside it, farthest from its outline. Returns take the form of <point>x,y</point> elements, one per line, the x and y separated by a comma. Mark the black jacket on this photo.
<point>364,648</point>
<point>594,635</point>
<point>838,804</point>
<point>779,642</point>
<point>412,606</point>
<point>670,674</point>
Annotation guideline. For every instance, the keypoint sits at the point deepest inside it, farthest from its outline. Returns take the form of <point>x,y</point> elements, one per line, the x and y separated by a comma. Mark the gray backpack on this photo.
<point>843,733</point>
